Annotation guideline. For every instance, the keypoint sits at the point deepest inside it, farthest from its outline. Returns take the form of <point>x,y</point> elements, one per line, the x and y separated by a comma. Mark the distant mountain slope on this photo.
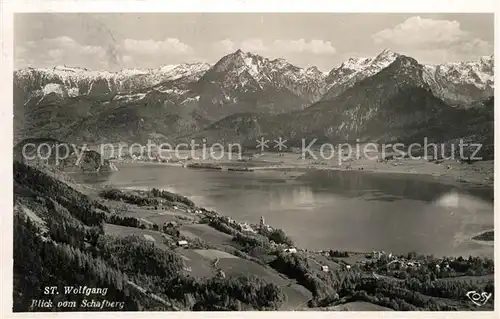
<point>165,109</point>
<point>154,116</point>
<point>71,82</point>
<point>52,102</point>
<point>78,105</point>
<point>394,105</point>
<point>462,82</point>
<point>378,106</point>
<point>127,106</point>
<point>354,70</point>
<point>245,82</point>
<point>455,83</point>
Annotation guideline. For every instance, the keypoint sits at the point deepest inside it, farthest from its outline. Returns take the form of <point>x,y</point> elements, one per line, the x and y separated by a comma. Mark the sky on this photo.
<point>113,41</point>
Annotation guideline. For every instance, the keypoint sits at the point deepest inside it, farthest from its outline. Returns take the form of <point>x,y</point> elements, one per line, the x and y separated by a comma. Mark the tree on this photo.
<point>279,237</point>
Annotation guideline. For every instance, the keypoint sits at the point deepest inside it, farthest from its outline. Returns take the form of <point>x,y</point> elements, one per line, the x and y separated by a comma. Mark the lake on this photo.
<point>353,210</point>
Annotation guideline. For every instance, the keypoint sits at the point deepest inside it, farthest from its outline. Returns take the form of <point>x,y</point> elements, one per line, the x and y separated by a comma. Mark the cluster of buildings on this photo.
<point>171,227</point>
<point>379,254</point>
<point>263,225</point>
<point>247,227</point>
<point>244,226</point>
<point>137,157</point>
<point>394,261</point>
<point>401,262</point>
<point>140,157</point>
<point>210,213</point>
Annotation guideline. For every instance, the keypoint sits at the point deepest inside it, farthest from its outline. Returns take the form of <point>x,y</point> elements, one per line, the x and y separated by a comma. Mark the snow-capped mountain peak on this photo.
<point>241,74</point>
<point>280,62</point>
<point>240,69</point>
<point>466,81</point>
<point>454,82</point>
<point>387,53</point>
<point>176,71</point>
<point>314,70</point>
<point>385,58</point>
<point>354,64</point>
<point>478,73</point>
<point>356,69</point>
<point>64,81</point>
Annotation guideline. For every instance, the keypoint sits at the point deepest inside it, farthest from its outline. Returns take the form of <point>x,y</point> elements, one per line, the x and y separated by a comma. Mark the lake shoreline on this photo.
<point>260,173</point>
<point>448,172</point>
<point>225,240</point>
<point>214,212</point>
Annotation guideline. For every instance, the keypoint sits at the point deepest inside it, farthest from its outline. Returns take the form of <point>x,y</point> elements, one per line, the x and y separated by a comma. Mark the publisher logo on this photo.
<point>477,298</point>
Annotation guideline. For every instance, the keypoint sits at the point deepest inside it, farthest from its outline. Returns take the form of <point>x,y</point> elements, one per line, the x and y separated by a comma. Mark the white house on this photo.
<point>221,274</point>
<point>290,250</point>
<point>324,268</point>
<point>182,243</point>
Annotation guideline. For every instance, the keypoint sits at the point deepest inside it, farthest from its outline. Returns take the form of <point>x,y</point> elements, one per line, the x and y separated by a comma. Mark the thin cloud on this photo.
<point>54,51</point>
<point>276,47</point>
<point>429,36</point>
<point>66,51</point>
<point>304,46</point>
<point>153,47</point>
<point>224,46</point>
<point>254,45</point>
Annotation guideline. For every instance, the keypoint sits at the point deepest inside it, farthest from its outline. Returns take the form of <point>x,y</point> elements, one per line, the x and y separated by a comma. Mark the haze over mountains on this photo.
<point>244,96</point>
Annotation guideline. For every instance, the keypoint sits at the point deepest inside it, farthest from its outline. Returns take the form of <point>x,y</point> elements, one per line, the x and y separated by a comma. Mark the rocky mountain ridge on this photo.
<point>355,70</point>
<point>68,82</point>
<point>394,105</point>
<point>454,82</point>
<point>462,82</point>
<point>180,100</point>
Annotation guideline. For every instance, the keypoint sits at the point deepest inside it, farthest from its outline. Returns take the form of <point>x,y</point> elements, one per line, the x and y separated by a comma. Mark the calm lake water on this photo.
<point>356,211</point>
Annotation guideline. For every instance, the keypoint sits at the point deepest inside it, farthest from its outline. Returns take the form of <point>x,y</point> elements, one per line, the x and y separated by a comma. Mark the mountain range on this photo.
<point>244,95</point>
<point>394,105</point>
